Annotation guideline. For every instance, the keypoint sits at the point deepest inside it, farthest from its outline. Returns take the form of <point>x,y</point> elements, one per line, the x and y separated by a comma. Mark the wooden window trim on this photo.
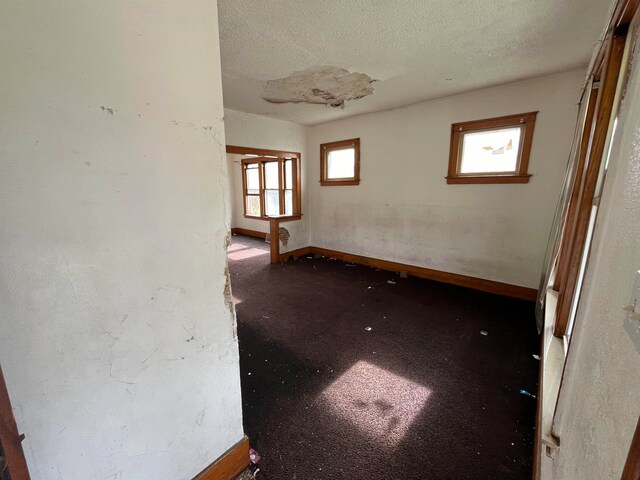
<point>261,161</point>
<point>297,175</point>
<point>244,163</point>
<point>614,50</point>
<point>261,152</point>
<point>570,218</point>
<point>520,175</point>
<point>325,148</point>
<point>281,185</point>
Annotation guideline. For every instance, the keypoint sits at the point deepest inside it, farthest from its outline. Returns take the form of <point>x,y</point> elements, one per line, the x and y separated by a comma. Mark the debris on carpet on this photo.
<point>527,394</point>
<point>253,455</point>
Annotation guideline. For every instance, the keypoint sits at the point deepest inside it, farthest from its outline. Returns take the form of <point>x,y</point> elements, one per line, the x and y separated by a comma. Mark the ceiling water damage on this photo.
<point>330,86</point>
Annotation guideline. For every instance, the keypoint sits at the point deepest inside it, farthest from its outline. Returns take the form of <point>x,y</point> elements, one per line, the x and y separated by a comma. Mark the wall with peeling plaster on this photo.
<point>119,352</point>
<point>403,210</point>
<point>247,130</point>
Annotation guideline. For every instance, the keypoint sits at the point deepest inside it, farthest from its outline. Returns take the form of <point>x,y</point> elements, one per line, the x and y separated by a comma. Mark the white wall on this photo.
<point>247,130</point>
<point>598,406</point>
<point>403,210</point>
<point>119,352</point>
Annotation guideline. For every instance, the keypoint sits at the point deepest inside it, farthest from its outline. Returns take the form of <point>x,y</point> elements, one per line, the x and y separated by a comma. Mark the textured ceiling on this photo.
<point>415,49</point>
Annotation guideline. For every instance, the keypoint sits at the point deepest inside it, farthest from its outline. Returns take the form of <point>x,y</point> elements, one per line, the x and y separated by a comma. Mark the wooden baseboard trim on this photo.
<point>295,253</point>
<point>229,465</point>
<point>248,233</point>
<point>490,286</point>
<point>481,284</point>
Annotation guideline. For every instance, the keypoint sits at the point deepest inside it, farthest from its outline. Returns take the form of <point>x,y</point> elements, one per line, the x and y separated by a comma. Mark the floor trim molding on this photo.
<point>299,252</point>
<point>248,233</point>
<point>229,465</point>
<point>490,286</point>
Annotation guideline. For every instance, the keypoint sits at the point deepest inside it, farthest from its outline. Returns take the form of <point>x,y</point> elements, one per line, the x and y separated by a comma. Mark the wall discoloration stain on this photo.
<point>319,85</point>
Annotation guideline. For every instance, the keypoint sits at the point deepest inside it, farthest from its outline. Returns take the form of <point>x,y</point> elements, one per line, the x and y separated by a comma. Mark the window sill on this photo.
<point>338,183</point>
<point>552,363</point>
<point>282,218</point>
<point>488,179</point>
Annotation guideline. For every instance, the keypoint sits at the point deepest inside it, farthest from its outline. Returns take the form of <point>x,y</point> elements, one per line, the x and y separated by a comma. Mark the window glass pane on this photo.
<point>272,202</point>
<point>341,163</point>
<point>271,177</point>
<point>491,151</point>
<point>288,202</point>
<point>253,178</point>
<point>288,174</point>
<point>253,205</point>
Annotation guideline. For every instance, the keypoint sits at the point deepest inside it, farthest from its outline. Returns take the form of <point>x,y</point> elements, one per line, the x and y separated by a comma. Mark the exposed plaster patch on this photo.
<point>284,235</point>
<point>228,297</point>
<point>319,85</point>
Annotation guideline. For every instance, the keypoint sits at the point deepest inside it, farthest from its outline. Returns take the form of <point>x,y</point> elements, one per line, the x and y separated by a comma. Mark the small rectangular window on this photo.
<point>340,163</point>
<point>494,150</point>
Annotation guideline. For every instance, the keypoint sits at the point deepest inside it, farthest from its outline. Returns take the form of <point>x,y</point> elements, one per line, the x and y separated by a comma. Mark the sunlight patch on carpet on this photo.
<point>237,251</point>
<point>379,403</point>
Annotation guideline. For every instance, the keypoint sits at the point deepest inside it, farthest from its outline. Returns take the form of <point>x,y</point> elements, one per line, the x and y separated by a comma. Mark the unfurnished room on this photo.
<point>309,240</point>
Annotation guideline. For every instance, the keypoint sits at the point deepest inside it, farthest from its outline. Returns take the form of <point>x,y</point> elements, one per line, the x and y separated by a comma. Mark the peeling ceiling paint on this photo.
<point>416,50</point>
<point>319,85</point>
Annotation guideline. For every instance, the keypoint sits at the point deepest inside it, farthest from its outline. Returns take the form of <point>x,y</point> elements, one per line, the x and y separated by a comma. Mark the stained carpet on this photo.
<point>349,372</point>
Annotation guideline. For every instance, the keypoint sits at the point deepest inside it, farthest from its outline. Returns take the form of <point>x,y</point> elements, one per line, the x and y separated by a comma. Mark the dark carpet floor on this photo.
<point>348,376</point>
